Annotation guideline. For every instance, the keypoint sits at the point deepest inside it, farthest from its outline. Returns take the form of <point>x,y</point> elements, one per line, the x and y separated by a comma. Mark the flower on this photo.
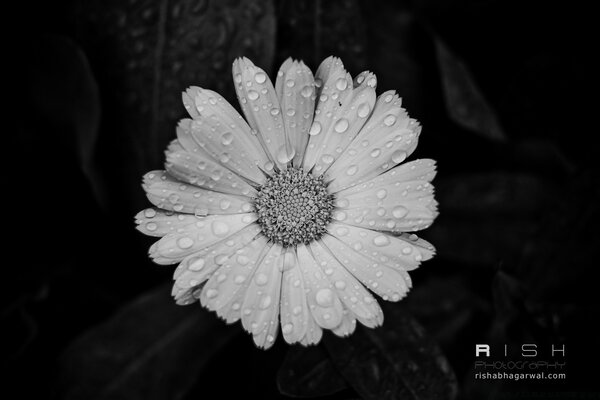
<point>287,219</point>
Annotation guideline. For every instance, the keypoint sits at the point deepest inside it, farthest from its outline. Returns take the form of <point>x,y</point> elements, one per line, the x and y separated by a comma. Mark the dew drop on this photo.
<point>290,83</point>
<point>274,111</point>
<point>341,126</point>
<point>226,139</point>
<point>151,226</point>
<point>307,91</point>
<point>253,94</point>
<point>342,231</point>
<point>399,212</point>
<point>381,240</point>
<point>283,156</point>
<point>196,265</point>
<point>315,129</point>
<point>269,166</point>
<point>185,242</point>
<point>239,279</point>
<point>398,156</point>
<point>327,158</point>
<point>407,250</point>
<point>340,285</point>
<point>220,228</point>
<point>297,310</point>
<point>342,203</point>
<point>389,120</point>
<point>260,77</point>
<point>341,84</point>
<point>265,302</point>
<point>261,279</point>
<point>238,78</point>
<point>363,110</point>
<point>211,293</point>
<point>324,298</point>
<point>291,112</point>
<point>375,153</point>
<point>149,213</point>
<point>287,329</point>
<point>224,204</point>
<point>353,169</point>
<point>340,215</point>
<point>381,193</point>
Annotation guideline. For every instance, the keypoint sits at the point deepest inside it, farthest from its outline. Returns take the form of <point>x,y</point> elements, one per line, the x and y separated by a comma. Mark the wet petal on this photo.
<point>294,308</point>
<point>400,200</point>
<point>157,222</point>
<point>261,106</point>
<point>323,301</point>
<point>334,92</point>
<point>351,292</point>
<point>398,252</point>
<point>190,239</point>
<point>170,194</point>
<point>225,290</point>
<point>295,87</point>
<point>202,171</point>
<point>313,334</point>
<point>386,140</point>
<point>390,284</point>
<point>260,310</point>
<point>347,326</point>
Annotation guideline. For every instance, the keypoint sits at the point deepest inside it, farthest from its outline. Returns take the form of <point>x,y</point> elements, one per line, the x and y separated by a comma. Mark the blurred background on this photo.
<point>501,89</point>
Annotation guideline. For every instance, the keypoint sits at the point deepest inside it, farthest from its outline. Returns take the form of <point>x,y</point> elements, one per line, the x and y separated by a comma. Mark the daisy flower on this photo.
<point>298,214</point>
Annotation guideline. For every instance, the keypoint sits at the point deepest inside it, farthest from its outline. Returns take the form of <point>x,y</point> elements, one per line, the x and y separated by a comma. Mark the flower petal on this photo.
<point>295,87</point>
<point>347,326</point>
<point>390,284</point>
<point>313,334</point>
<point>385,141</point>
<point>323,301</point>
<point>399,200</point>
<point>170,194</point>
<point>193,238</point>
<point>202,171</point>
<point>197,267</point>
<point>260,310</point>
<point>220,132</point>
<point>294,308</point>
<point>225,290</point>
<point>352,293</point>
<point>348,119</point>
<point>334,93</point>
<point>398,252</point>
<point>261,106</point>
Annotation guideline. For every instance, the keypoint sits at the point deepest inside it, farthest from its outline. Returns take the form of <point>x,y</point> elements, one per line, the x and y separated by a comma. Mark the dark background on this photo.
<point>502,89</point>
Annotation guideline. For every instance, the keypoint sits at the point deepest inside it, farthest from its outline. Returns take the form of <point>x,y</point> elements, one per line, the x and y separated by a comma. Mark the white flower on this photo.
<point>290,217</point>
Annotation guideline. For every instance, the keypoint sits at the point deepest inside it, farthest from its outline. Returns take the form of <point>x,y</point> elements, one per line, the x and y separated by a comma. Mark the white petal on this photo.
<point>313,334</point>
<point>261,106</point>
<point>294,308</point>
<point>322,299</point>
<point>398,252</point>
<point>170,194</point>
<point>400,200</point>
<point>260,310</point>
<point>388,137</point>
<point>228,131</point>
<point>192,238</point>
<point>202,171</point>
<point>333,95</point>
<point>352,293</point>
<point>390,284</point>
<point>197,267</point>
<point>225,290</point>
<point>295,87</point>
<point>347,326</point>
<point>347,121</point>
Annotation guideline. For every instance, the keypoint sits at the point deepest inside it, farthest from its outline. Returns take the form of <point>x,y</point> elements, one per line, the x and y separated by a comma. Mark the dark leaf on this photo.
<point>308,372</point>
<point>511,203</point>
<point>465,102</point>
<point>395,361</point>
<point>151,349</point>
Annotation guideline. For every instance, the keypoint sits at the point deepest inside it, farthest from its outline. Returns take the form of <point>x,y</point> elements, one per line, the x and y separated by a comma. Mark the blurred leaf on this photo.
<point>308,372</point>
<point>465,102</point>
<point>146,53</point>
<point>485,218</point>
<point>64,92</point>
<point>395,361</point>
<point>151,349</point>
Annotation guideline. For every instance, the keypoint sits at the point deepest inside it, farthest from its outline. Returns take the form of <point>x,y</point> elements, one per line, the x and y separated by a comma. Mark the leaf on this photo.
<point>308,372</point>
<point>395,361</point>
<point>151,349</point>
<point>465,103</point>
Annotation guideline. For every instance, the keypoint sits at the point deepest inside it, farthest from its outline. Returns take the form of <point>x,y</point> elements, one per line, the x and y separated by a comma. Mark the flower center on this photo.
<point>293,207</point>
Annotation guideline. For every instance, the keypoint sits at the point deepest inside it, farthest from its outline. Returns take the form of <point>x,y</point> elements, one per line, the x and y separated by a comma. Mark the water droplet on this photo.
<point>398,156</point>
<point>212,293</point>
<point>390,224</point>
<point>389,120</point>
<point>200,212</point>
<point>265,302</point>
<point>340,285</point>
<point>353,169</point>
<point>242,259</point>
<point>261,279</point>
<point>372,82</point>
<point>151,226</point>
<point>381,211</point>
<point>287,328</point>
<point>363,110</point>
<point>274,111</point>
<point>260,77</point>
<point>224,204</point>
<point>407,250</point>
<point>399,212</point>
<point>342,231</point>
<point>381,193</point>
<point>226,139</point>
<point>327,158</point>
<point>324,298</point>
<point>149,213</point>
<point>196,265</point>
<point>381,240</point>
<point>307,91</point>
<point>375,153</point>
<point>239,279</point>
<point>185,242</point>
<point>342,203</point>
<point>290,83</point>
<point>269,166</point>
<point>341,84</point>
<point>297,310</point>
<point>253,94</point>
<point>284,156</point>
<point>315,129</point>
<point>340,215</point>
<point>238,78</point>
<point>219,228</point>
<point>341,126</point>
<point>288,261</point>
<point>224,158</point>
